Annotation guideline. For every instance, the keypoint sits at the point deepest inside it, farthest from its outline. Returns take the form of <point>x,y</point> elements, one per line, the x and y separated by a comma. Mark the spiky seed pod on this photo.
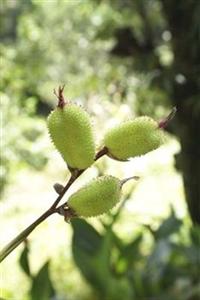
<point>71,132</point>
<point>97,197</point>
<point>133,138</point>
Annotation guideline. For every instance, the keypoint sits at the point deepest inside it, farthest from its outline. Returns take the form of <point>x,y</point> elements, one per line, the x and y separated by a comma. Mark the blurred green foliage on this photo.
<point>48,43</point>
<point>41,284</point>
<point>168,269</point>
<point>41,45</point>
<point>19,134</point>
<point>161,264</point>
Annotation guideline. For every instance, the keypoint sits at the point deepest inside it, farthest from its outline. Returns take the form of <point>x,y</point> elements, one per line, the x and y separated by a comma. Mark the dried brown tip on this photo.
<point>164,123</point>
<point>60,96</point>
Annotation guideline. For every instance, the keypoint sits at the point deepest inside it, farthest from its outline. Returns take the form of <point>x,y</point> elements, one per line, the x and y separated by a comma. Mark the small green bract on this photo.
<point>97,197</point>
<point>133,138</point>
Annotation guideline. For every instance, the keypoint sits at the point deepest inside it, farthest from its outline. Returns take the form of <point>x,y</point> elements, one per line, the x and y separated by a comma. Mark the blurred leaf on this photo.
<point>131,251</point>
<point>42,287</point>
<point>155,266</point>
<point>85,245</point>
<point>85,236</point>
<point>89,251</point>
<point>120,288</point>
<point>195,235</point>
<point>168,227</point>
<point>24,261</point>
<point>129,254</point>
<point>92,253</point>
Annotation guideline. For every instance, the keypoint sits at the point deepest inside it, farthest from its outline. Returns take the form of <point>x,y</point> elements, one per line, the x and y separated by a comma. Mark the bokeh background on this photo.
<point>119,59</point>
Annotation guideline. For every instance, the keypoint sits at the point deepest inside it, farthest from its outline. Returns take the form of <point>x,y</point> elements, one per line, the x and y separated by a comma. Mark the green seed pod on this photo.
<point>71,132</point>
<point>97,197</point>
<point>133,138</point>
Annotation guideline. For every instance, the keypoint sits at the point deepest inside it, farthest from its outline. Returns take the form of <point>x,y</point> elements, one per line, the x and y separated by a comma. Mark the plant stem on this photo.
<point>164,123</point>
<point>73,177</point>
<point>23,235</point>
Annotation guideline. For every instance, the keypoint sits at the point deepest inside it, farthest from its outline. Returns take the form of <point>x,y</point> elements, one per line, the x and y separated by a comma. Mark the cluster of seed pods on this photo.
<point>71,132</point>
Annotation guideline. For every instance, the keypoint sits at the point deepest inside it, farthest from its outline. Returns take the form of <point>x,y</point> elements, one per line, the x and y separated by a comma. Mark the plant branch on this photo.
<point>75,174</point>
<point>23,235</point>
<point>53,209</point>
<point>73,177</point>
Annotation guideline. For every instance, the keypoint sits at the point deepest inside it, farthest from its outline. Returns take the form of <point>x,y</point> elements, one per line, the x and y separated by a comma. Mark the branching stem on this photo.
<point>53,209</point>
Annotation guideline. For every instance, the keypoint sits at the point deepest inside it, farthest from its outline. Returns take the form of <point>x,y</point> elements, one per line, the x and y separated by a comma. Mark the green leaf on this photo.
<point>92,254</point>
<point>168,227</point>
<point>195,235</point>
<point>85,237</point>
<point>24,261</point>
<point>85,247</point>
<point>131,251</point>
<point>42,287</point>
<point>157,262</point>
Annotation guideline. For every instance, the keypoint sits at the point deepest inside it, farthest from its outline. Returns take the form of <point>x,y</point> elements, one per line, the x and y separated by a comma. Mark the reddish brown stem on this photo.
<point>101,152</point>
<point>164,123</point>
